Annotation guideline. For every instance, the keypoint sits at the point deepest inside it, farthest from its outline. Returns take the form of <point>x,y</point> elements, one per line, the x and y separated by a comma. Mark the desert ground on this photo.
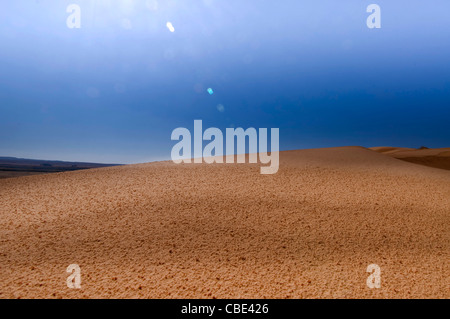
<point>162,230</point>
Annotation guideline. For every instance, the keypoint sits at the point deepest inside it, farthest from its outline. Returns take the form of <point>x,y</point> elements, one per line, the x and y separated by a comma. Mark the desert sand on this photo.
<point>162,230</point>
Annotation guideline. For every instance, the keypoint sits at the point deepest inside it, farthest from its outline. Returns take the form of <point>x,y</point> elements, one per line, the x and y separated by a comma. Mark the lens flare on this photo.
<point>170,26</point>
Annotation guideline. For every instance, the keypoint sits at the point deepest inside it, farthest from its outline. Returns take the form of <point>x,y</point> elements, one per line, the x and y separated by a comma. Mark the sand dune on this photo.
<point>437,157</point>
<point>390,150</point>
<point>162,230</point>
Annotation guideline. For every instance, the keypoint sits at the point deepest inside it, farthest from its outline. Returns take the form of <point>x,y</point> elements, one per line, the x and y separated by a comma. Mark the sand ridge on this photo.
<point>437,157</point>
<point>161,230</point>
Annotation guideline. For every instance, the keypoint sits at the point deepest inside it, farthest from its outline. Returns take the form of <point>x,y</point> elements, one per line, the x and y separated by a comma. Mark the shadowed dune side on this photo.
<point>438,157</point>
<point>161,230</point>
<point>390,150</point>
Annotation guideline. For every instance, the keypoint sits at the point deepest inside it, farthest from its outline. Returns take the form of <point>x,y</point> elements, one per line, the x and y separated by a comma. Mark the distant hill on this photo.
<point>14,167</point>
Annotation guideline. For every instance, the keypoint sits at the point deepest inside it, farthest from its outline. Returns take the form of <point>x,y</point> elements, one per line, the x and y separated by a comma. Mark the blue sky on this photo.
<point>113,90</point>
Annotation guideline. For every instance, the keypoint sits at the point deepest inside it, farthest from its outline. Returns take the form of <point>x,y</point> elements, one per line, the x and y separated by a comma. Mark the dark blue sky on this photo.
<point>114,90</point>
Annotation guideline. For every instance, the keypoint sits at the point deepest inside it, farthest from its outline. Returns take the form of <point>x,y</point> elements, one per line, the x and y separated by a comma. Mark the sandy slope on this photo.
<point>437,157</point>
<point>162,230</point>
